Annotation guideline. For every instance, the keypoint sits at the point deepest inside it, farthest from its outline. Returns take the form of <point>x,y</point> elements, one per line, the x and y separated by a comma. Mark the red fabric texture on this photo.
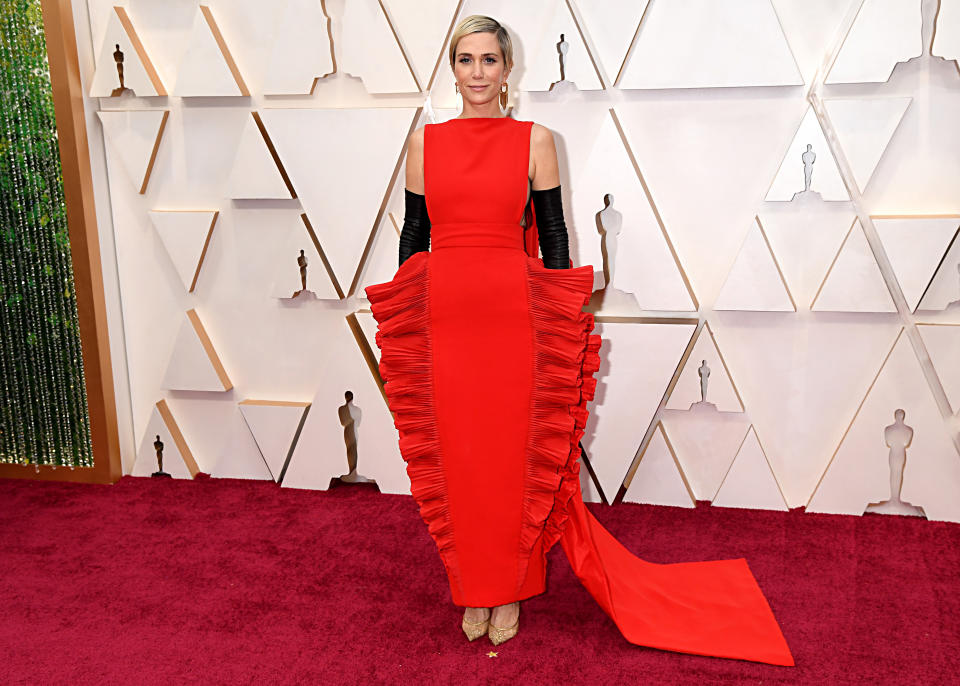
<point>488,362</point>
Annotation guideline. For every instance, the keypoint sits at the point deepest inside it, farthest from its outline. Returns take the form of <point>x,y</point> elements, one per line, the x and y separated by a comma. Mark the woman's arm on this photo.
<point>415,234</point>
<point>547,201</point>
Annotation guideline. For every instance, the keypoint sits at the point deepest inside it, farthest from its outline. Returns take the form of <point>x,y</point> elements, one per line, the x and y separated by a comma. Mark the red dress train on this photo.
<point>487,360</point>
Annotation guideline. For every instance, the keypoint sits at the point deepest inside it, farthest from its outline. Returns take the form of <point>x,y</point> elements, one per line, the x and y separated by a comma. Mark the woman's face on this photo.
<point>478,67</point>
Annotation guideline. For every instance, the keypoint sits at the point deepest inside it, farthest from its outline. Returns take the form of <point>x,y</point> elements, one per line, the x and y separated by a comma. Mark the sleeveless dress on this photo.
<point>487,361</point>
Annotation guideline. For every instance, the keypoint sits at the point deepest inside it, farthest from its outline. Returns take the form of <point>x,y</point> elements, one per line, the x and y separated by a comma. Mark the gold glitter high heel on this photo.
<point>500,634</point>
<point>475,630</point>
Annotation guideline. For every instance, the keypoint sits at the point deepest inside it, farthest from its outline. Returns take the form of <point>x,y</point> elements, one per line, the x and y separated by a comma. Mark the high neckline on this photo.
<point>480,118</point>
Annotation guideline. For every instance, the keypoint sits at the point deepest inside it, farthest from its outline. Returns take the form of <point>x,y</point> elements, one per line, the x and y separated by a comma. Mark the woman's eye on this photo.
<point>491,60</point>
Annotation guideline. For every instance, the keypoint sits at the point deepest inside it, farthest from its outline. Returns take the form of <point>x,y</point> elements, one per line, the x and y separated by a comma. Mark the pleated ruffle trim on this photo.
<point>402,310</point>
<point>565,359</point>
<point>566,355</point>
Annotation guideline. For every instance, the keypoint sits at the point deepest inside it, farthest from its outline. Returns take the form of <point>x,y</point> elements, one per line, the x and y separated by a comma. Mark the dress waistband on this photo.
<point>476,235</point>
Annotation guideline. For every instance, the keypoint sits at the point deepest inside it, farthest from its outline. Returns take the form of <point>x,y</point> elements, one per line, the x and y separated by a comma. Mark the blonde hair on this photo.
<point>477,23</point>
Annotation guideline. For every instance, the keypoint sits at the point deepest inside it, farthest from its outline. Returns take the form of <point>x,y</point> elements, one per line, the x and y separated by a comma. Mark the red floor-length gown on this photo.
<point>488,361</point>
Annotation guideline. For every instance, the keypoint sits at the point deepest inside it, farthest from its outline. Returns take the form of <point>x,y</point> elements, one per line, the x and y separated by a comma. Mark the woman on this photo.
<point>487,360</point>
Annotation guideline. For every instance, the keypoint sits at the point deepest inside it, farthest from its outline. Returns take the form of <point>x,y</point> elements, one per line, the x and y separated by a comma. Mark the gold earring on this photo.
<point>503,95</point>
<point>456,87</point>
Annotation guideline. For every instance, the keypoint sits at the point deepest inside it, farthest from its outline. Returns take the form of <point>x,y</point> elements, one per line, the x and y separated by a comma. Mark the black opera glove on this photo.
<point>548,207</point>
<point>415,234</point>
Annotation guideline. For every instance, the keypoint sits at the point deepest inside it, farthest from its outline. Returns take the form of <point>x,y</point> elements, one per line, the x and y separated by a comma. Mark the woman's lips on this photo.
<point>476,88</point>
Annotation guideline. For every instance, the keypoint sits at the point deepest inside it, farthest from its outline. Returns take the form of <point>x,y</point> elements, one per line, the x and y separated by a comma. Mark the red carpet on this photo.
<point>221,581</point>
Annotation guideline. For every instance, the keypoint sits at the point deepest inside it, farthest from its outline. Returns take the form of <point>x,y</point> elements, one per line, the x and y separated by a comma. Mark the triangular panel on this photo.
<point>291,235</point>
<point>135,137</point>
<point>342,207</point>
<point>658,479</point>
<point>811,29</point>
<point>139,74</point>
<point>321,453</point>
<point>854,282</point>
<point>805,240</point>
<point>208,67</point>
<point>720,389</point>
<point>636,363</point>
<point>612,27</point>
<point>275,425</point>
<point>705,442</point>
<point>755,281</point>
<point>178,461</point>
<point>256,172</point>
<point>633,249</point>
<point>808,154</point>
<point>860,470</point>
<point>185,235</point>
<point>864,127</point>
<point>194,364</point>
<point>884,32</point>
<point>698,143</point>
<point>422,27</point>
<point>750,483</point>
<point>916,247</point>
<point>704,44</point>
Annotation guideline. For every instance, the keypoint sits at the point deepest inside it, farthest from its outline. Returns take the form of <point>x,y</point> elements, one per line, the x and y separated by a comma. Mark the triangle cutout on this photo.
<point>859,472</point>
<point>208,68</point>
<point>293,234</point>
<point>422,34</point>
<point>883,34</point>
<point>323,452</point>
<point>343,208</point>
<point>720,389</point>
<point>178,460</point>
<point>135,137</point>
<point>805,242</point>
<point>194,364</point>
<point>185,235</point>
<point>916,247</point>
<point>705,442</point>
<point>854,282</point>
<point>658,479</point>
<point>755,281</point>
<point>825,178</point>
<point>257,173</point>
<point>750,482</point>
<point>864,128</point>
<point>612,27</point>
<point>634,251</point>
<point>706,47</point>
<point>139,74</point>
<point>275,426</point>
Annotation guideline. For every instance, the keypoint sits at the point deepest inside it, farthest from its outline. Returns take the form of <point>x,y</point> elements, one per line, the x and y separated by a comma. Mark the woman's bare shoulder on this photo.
<point>414,167</point>
<point>415,139</point>
<point>541,137</point>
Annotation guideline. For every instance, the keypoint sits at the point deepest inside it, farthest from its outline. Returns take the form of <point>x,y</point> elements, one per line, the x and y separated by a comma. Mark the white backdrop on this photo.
<point>774,184</point>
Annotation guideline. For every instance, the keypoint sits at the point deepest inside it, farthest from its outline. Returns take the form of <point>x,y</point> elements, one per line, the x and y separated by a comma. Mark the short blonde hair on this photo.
<point>477,23</point>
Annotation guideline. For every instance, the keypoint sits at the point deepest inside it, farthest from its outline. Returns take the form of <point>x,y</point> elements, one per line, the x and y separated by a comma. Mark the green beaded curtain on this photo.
<point>43,402</point>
